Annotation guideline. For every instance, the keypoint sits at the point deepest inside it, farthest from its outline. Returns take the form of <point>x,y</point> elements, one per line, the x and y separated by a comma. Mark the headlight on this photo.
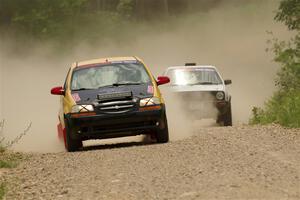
<point>150,101</point>
<point>82,108</point>
<point>220,95</point>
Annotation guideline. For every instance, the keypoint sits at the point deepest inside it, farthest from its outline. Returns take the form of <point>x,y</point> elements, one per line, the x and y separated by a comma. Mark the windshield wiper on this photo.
<point>79,89</point>
<point>120,84</point>
<point>127,83</point>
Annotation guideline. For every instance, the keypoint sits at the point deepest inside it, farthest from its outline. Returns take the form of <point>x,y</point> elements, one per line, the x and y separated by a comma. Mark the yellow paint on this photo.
<point>67,101</point>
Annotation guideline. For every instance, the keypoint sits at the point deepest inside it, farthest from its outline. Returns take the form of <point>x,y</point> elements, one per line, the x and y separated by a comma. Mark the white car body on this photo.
<point>192,91</point>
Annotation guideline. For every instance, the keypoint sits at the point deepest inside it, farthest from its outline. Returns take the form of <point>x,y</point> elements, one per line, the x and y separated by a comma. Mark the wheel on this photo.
<point>71,144</point>
<point>228,116</point>
<point>162,135</point>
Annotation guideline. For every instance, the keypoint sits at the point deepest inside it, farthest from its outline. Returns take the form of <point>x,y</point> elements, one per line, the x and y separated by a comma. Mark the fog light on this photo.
<point>82,108</point>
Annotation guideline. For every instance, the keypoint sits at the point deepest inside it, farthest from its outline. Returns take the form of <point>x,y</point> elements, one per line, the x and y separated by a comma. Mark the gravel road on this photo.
<point>241,162</point>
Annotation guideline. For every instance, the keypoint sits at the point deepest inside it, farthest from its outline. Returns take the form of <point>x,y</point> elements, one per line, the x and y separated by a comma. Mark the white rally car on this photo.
<point>202,91</point>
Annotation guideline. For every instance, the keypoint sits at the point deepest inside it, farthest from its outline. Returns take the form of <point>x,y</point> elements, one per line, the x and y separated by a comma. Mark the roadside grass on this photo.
<point>283,108</point>
<point>6,164</point>
<point>2,190</point>
<point>9,159</point>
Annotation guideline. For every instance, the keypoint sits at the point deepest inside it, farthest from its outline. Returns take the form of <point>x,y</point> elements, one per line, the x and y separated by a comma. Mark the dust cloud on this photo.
<point>186,114</point>
<point>230,37</point>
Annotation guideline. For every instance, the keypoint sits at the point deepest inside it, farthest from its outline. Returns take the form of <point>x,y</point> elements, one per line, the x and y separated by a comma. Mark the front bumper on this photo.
<point>202,104</point>
<point>205,109</point>
<point>222,105</point>
<point>117,125</point>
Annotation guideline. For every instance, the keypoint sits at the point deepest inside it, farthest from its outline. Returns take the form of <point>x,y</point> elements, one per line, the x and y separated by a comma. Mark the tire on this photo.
<point>71,144</point>
<point>228,116</point>
<point>162,135</point>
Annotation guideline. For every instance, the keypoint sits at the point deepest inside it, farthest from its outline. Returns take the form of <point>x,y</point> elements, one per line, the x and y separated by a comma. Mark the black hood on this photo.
<point>90,96</point>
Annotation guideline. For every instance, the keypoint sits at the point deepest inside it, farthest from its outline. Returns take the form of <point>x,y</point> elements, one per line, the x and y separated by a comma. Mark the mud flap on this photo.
<point>61,133</point>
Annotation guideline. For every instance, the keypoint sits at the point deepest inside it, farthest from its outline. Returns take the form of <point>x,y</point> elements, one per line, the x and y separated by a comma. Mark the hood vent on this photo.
<point>114,96</point>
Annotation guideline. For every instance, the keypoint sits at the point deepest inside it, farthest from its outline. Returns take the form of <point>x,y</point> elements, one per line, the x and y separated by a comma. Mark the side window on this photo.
<point>65,84</point>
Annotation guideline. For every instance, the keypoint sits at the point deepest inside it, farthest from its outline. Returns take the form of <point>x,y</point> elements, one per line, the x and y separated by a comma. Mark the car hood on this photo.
<point>89,96</point>
<point>194,88</point>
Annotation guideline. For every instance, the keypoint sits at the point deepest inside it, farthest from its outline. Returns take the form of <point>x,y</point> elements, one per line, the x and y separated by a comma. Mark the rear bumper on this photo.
<point>117,125</point>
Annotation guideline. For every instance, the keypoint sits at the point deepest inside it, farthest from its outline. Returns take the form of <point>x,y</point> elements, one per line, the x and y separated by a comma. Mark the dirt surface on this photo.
<point>242,162</point>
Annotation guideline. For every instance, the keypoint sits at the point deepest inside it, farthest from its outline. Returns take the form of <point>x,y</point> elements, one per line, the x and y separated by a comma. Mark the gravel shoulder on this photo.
<point>240,162</point>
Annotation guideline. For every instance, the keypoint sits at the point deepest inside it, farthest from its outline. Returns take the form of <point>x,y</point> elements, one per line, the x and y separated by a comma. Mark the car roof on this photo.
<point>193,67</point>
<point>104,60</point>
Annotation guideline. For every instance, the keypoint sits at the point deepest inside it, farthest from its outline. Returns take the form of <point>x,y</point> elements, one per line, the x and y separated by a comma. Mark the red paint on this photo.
<point>75,115</point>
<point>162,80</point>
<point>57,91</point>
<point>61,133</point>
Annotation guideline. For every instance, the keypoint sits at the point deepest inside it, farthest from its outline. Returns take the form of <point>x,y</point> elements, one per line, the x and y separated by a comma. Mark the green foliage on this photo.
<point>70,20</point>
<point>2,190</point>
<point>289,13</point>
<point>126,8</point>
<point>284,107</point>
<point>44,18</point>
<point>288,55</point>
<point>7,164</point>
<point>66,20</point>
<point>10,159</point>
<point>2,148</point>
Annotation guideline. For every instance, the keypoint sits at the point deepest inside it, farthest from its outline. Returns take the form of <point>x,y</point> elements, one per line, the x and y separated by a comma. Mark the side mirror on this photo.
<point>57,91</point>
<point>227,82</point>
<point>162,80</point>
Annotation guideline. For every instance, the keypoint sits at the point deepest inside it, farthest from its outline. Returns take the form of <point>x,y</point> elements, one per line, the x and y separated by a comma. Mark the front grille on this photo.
<point>120,106</point>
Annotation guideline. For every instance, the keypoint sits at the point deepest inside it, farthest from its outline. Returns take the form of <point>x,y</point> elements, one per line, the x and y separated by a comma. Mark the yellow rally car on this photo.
<point>110,97</point>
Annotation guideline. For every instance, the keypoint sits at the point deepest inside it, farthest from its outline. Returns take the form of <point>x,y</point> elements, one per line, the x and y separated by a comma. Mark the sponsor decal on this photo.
<point>150,89</point>
<point>76,97</point>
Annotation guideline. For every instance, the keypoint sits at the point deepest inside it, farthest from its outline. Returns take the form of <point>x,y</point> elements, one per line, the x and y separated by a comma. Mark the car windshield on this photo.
<point>194,76</point>
<point>112,74</point>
